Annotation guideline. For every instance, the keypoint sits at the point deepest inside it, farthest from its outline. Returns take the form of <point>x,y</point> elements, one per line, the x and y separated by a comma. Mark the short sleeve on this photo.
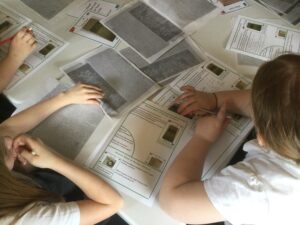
<point>52,214</point>
<point>238,194</point>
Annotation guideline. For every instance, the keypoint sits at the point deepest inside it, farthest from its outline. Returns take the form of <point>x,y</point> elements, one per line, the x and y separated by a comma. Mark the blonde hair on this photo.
<point>276,105</point>
<point>15,193</point>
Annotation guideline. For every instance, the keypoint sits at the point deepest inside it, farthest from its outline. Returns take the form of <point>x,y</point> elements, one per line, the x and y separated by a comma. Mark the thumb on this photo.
<point>222,113</point>
<point>27,156</point>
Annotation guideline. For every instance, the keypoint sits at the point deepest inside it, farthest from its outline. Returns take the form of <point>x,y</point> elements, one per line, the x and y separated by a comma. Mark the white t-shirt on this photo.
<point>264,189</point>
<point>43,213</point>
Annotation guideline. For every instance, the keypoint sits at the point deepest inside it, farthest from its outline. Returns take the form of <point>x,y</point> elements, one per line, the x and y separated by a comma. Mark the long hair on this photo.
<point>276,105</point>
<point>16,193</point>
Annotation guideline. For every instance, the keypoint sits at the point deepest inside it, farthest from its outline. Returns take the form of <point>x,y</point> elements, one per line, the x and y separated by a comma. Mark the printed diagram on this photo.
<point>137,153</point>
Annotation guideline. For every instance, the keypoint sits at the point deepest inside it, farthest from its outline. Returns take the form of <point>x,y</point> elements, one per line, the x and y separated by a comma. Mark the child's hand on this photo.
<point>83,94</point>
<point>192,101</point>
<point>209,128</point>
<point>22,45</point>
<point>34,152</point>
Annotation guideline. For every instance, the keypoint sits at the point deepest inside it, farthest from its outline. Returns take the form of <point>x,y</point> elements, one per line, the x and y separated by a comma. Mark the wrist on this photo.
<point>13,60</point>
<point>56,163</point>
<point>200,140</point>
<point>62,99</point>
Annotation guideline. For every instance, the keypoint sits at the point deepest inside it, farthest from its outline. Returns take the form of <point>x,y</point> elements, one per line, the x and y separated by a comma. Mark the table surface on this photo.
<point>211,37</point>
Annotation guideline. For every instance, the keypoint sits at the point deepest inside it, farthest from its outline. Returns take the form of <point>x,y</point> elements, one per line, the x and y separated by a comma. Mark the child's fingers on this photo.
<point>94,101</point>
<point>22,159</point>
<point>87,86</point>
<point>221,116</point>
<point>28,156</point>
<point>93,91</point>
<point>94,96</point>
<point>31,41</point>
<point>27,37</point>
<point>185,95</point>
<point>185,104</point>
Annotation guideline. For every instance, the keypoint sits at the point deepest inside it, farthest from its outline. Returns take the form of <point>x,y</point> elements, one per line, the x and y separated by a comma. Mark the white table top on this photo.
<point>212,37</point>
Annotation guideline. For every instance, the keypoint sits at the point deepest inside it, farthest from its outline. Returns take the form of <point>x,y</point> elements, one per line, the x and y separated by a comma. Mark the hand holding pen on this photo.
<point>21,45</point>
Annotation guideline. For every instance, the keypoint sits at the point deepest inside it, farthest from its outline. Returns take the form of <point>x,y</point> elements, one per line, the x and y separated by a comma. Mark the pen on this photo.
<point>7,40</point>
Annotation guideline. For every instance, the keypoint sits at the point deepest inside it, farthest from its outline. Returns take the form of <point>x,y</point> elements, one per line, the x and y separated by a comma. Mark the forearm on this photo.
<point>31,117</point>
<point>8,67</point>
<point>188,165</point>
<point>238,102</point>
<point>93,186</point>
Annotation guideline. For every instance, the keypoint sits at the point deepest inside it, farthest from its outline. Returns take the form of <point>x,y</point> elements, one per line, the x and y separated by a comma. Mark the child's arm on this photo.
<point>182,194</point>
<point>31,117</point>
<point>103,200</point>
<point>21,46</point>
<point>192,101</point>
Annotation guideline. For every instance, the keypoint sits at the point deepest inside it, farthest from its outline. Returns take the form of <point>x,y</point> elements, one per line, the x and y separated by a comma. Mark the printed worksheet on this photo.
<point>48,44</point>
<point>263,40</point>
<point>135,156</point>
<point>211,77</point>
<point>10,21</point>
<point>99,7</point>
<point>89,23</point>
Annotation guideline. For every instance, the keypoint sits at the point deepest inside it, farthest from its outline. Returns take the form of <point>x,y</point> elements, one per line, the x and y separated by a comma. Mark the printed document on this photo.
<point>48,44</point>
<point>89,24</point>
<point>263,40</point>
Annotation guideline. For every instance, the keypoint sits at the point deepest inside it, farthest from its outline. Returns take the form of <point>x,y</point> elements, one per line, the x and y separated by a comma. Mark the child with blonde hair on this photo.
<point>22,200</point>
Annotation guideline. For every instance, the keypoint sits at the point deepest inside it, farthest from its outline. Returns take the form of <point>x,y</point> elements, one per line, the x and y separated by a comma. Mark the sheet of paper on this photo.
<point>47,9</point>
<point>211,77</point>
<point>89,22</point>
<point>121,82</point>
<point>262,40</point>
<point>68,129</point>
<point>99,7</point>
<point>289,10</point>
<point>233,5</point>
<point>145,30</point>
<point>48,45</point>
<point>11,21</point>
<point>182,12</point>
<point>183,56</point>
<point>90,26</point>
<point>135,156</point>
<point>245,60</point>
